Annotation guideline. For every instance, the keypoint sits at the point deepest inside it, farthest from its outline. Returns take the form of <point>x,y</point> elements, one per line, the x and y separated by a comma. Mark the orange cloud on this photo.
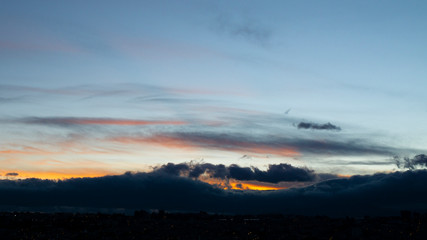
<point>163,141</point>
<point>26,150</point>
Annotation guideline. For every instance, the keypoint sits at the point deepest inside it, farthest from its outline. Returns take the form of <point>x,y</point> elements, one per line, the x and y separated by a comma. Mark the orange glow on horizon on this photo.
<point>344,176</point>
<point>241,185</point>
<point>56,175</point>
<point>251,186</point>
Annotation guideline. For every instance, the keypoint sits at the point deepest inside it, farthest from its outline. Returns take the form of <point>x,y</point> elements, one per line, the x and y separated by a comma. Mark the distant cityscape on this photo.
<point>187,226</point>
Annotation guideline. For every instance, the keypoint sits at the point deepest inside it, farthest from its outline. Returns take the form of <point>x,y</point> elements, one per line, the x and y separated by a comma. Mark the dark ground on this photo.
<point>161,225</point>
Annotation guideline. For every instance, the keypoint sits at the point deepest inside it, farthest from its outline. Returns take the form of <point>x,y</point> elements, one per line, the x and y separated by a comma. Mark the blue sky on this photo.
<point>104,87</point>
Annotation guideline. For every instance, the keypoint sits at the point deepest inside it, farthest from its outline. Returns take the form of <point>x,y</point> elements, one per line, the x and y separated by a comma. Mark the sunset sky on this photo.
<point>328,88</point>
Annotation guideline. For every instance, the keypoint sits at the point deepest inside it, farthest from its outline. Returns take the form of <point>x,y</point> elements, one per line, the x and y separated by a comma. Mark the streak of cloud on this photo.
<point>4,100</point>
<point>53,46</point>
<point>315,126</point>
<point>11,174</point>
<point>259,144</point>
<point>128,89</point>
<point>220,142</point>
<point>248,30</point>
<point>66,121</point>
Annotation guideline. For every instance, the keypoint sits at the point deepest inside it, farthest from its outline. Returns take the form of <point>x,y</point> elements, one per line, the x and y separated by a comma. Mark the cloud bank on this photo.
<point>379,194</point>
<point>275,173</point>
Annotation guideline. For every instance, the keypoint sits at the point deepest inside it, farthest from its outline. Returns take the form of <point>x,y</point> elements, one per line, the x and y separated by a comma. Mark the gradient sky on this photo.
<point>101,87</point>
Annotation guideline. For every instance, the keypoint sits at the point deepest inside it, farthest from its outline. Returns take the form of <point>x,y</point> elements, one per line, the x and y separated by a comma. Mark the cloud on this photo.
<point>379,194</point>
<point>214,141</point>
<point>248,30</point>
<point>46,91</point>
<point>11,174</point>
<point>123,89</point>
<point>52,46</point>
<point>69,121</point>
<point>315,126</point>
<point>4,100</point>
<point>367,162</point>
<point>259,144</point>
<point>275,172</point>
<point>173,169</point>
<point>419,160</point>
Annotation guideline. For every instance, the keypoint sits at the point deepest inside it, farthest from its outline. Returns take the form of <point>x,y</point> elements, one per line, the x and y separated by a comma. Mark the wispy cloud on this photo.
<point>216,142</point>
<point>10,99</point>
<point>25,150</point>
<point>251,31</point>
<point>40,46</point>
<point>67,121</point>
<point>161,49</point>
<point>132,90</point>
<point>260,144</point>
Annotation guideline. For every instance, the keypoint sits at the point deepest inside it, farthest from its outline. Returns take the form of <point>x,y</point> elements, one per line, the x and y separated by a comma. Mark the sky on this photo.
<point>261,95</point>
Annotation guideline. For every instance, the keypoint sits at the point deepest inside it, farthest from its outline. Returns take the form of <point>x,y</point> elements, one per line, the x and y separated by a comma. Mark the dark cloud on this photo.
<point>417,161</point>
<point>12,174</point>
<point>275,172</point>
<point>315,126</point>
<point>56,121</point>
<point>284,172</point>
<point>249,145</point>
<point>248,30</point>
<point>277,145</point>
<point>173,169</point>
<point>379,194</point>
